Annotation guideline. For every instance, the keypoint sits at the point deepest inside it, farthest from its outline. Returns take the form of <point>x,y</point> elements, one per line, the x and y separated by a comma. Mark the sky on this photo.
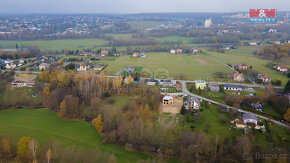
<point>137,6</point>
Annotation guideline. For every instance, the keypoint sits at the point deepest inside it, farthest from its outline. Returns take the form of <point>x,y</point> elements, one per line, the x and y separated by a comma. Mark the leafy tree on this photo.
<point>23,146</point>
<point>46,91</point>
<point>287,87</point>
<point>198,91</point>
<point>70,66</point>
<point>183,110</point>
<point>48,155</point>
<point>287,115</point>
<point>62,108</point>
<point>98,123</point>
<point>6,145</point>
<point>33,148</point>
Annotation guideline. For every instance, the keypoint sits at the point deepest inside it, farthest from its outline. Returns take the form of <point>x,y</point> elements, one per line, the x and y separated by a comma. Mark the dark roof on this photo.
<point>233,86</point>
<point>250,116</point>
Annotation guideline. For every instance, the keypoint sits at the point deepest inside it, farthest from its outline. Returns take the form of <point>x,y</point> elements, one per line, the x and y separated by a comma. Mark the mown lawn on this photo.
<point>46,126</point>
<point>46,45</point>
<point>193,67</point>
<point>244,55</point>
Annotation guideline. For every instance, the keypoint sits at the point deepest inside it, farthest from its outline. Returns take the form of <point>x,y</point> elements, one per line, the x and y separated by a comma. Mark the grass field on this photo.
<point>46,126</point>
<point>45,45</point>
<point>244,55</point>
<point>192,66</point>
<point>121,36</point>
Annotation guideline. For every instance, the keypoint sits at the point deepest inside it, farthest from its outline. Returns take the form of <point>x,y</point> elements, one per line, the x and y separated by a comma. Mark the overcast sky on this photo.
<point>137,6</point>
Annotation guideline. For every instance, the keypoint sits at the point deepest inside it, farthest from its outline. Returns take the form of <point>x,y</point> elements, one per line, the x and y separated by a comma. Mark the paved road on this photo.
<point>230,107</point>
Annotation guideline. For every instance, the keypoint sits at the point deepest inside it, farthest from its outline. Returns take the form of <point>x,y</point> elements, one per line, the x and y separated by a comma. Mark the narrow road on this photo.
<point>230,107</point>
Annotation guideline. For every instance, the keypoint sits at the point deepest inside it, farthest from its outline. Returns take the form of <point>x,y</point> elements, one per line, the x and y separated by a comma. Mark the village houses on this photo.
<point>83,68</point>
<point>264,78</point>
<point>282,68</point>
<point>193,103</point>
<point>167,100</point>
<point>200,84</point>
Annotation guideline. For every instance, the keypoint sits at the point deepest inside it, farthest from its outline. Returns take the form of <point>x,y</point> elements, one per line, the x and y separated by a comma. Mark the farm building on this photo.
<point>233,87</point>
<point>19,83</point>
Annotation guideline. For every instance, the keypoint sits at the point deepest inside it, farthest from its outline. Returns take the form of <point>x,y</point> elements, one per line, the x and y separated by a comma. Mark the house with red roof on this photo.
<point>282,68</point>
<point>238,77</point>
<point>265,78</point>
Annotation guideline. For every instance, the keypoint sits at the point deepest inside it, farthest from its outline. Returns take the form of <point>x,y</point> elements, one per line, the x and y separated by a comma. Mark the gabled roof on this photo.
<point>167,98</point>
<point>249,116</point>
<point>233,86</point>
<point>283,67</point>
<point>193,99</point>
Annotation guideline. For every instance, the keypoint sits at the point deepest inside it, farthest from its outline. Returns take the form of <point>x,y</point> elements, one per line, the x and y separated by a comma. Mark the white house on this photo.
<point>8,61</point>
<point>172,51</point>
<point>10,66</point>
<point>253,44</point>
<point>43,66</point>
<point>282,68</point>
<point>82,67</point>
<point>250,118</point>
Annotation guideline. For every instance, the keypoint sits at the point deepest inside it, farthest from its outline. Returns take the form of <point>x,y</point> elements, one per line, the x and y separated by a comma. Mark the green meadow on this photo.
<point>46,45</point>
<point>192,66</point>
<point>46,126</point>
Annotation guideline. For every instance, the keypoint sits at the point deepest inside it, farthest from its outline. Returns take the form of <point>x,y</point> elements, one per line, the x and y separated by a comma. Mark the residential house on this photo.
<point>135,55</point>
<point>179,51</point>
<point>253,44</point>
<point>265,78</point>
<point>240,124</point>
<point>83,68</point>
<point>178,87</point>
<point>257,106</point>
<point>193,103</point>
<point>249,119</point>
<point>272,30</point>
<point>214,87</point>
<point>128,80</point>
<point>241,67</point>
<point>8,61</point>
<point>20,83</point>
<point>21,60</point>
<point>104,53</point>
<point>238,77</point>
<point>282,68</point>
<point>233,87</point>
<point>98,67</point>
<point>151,82</point>
<point>200,84</point>
<point>10,66</point>
<point>172,51</point>
<point>143,55</point>
<point>194,51</point>
<point>167,100</point>
<point>276,42</point>
<point>44,66</point>
<point>167,83</point>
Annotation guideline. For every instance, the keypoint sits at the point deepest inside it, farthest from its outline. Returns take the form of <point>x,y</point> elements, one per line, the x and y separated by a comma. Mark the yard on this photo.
<point>46,126</point>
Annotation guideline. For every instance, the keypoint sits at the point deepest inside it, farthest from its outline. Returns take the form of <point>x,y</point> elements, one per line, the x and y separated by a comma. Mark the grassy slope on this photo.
<point>46,126</point>
<point>45,45</point>
<point>174,64</point>
<point>244,55</point>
